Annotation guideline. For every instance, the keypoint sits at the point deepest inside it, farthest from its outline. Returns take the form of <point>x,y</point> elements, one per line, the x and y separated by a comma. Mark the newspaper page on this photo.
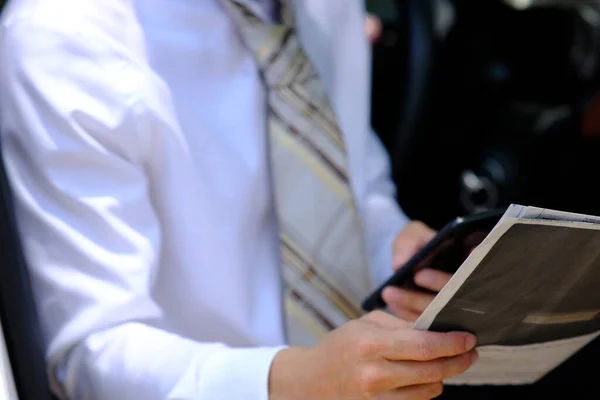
<point>530,292</point>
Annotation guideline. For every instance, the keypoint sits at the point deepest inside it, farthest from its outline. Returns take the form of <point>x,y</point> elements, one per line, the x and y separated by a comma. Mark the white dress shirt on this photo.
<point>134,138</point>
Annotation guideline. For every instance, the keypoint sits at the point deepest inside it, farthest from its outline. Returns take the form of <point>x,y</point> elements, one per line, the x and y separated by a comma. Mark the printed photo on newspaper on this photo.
<point>529,291</point>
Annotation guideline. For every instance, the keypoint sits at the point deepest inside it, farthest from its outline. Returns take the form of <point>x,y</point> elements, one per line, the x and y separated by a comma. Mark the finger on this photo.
<point>416,392</point>
<point>424,232</point>
<point>410,373</point>
<point>403,299</point>
<point>386,320</point>
<point>409,241</point>
<point>404,248</point>
<point>432,279</point>
<point>410,344</point>
<point>405,315</point>
<point>419,230</point>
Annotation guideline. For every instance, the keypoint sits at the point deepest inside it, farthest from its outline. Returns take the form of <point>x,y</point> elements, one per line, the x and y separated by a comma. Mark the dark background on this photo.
<point>503,88</point>
<point>505,96</point>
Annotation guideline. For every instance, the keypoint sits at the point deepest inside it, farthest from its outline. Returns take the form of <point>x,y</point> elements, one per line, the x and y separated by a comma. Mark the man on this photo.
<point>189,200</point>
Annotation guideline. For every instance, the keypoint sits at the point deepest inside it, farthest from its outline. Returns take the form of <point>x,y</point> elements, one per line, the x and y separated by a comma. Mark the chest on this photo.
<point>209,81</point>
<point>193,38</point>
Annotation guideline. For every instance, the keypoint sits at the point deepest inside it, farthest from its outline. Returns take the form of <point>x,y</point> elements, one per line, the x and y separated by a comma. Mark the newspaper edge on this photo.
<point>475,258</point>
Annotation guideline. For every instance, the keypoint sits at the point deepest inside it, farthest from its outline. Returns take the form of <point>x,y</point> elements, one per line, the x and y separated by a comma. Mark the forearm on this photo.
<point>137,361</point>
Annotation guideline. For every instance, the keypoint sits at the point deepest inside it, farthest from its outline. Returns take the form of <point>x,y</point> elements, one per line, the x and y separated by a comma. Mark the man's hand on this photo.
<point>373,28</point>
<point>410,240</point>
<point>375,357</point>
<point>409,304</point>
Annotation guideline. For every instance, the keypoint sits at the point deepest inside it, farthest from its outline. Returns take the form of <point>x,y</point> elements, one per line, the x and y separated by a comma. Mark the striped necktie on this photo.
<point>321,239</point>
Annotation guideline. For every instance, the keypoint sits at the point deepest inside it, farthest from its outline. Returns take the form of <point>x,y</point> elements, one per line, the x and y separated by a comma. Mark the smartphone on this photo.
<point>446,252</point>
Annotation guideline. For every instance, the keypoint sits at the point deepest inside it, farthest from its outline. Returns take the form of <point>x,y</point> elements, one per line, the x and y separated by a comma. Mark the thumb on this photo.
<point>421,231</point>
<point>404,249</point>
<point>414,236</point>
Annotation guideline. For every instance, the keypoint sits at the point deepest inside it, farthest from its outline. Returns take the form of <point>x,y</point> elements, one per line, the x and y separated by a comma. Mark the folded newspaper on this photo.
<point>530,292</point>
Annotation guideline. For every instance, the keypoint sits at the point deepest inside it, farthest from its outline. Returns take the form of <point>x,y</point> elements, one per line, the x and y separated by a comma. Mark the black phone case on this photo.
<point>446,251</point>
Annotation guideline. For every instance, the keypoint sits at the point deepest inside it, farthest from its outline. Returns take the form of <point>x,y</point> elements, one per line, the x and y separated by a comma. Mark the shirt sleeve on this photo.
<point>74,153</point>
<point>383,217</point>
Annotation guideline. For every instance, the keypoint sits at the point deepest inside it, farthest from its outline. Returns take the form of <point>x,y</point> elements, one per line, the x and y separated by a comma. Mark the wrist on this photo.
<point>289,377</point>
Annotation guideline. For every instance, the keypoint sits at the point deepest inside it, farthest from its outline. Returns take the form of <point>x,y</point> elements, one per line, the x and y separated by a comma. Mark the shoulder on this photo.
<point>73,74</point>
<point>94,45</point>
